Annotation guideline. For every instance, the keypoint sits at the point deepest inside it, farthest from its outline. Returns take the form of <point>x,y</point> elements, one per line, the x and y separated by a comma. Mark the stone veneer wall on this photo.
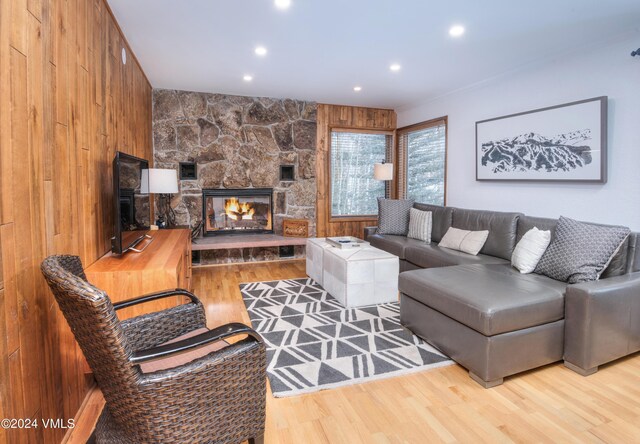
<point>237,142</point>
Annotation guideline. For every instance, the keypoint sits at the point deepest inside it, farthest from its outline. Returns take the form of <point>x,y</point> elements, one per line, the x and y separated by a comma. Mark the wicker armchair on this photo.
<point>218,397</point>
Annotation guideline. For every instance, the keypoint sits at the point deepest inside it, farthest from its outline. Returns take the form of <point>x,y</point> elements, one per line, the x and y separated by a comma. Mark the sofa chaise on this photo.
<point>497,322</point>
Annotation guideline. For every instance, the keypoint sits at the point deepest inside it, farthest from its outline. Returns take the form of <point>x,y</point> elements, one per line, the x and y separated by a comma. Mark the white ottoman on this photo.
<point>360,276</point>
<point>314,252</point>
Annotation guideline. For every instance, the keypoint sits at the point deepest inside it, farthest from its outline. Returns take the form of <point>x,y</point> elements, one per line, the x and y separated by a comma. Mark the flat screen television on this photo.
<point>132,216</point>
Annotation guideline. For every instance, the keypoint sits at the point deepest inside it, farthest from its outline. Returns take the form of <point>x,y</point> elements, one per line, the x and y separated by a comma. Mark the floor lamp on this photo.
<point>383,171</point>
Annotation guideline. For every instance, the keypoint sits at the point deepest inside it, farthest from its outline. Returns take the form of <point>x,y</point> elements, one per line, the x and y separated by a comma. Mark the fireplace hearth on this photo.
<point>237,211</point>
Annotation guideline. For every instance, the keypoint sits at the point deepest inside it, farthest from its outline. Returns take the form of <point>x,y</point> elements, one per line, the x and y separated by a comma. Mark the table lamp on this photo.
<point>165,183</point>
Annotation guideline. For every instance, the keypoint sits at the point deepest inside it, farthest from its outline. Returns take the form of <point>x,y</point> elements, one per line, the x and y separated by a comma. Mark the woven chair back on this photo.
<point>96,327</point>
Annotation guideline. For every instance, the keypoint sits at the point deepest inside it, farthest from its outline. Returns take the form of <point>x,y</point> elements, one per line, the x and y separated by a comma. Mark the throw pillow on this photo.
<point>530,249</point>
<point>580,252</point>
<point>420,225</point>
<point>470,242</point>
<point>393,216</point>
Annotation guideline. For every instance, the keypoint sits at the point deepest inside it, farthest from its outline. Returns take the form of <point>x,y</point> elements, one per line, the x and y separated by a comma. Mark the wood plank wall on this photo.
<point>338,116</point>
<point>67,103</point>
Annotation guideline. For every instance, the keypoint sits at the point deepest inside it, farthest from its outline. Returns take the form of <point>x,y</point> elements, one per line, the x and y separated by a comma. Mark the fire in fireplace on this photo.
<point>238,211</point>
<point>233,211</point>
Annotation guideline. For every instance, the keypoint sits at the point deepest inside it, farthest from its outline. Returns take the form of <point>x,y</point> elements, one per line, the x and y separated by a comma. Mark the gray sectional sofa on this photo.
<point>497,322</point>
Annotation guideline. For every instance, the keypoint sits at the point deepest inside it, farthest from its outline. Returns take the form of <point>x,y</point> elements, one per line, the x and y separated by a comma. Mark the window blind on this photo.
<point>354,191</point>
<point>422,162</point>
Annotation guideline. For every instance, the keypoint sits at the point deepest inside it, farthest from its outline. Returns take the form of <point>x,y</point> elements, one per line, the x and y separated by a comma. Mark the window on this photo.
<point>422,154</point>
<point>354,191</point>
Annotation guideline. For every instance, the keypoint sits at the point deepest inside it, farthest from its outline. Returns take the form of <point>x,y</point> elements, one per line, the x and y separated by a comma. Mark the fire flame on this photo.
<point>236,210</point>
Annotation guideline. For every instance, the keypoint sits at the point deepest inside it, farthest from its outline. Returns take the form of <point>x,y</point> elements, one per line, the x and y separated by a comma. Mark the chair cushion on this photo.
<point>182,358</point>
<point>393,244</point>
<point>491,299</point>
<point>441,219</point>
<point>431,255</point>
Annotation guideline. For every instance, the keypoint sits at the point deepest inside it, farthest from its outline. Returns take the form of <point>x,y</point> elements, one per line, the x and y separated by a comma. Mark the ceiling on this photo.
<point>320,49</point>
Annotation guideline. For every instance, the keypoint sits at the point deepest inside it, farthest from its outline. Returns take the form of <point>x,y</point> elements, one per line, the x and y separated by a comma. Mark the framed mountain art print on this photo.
<point>563,143</point>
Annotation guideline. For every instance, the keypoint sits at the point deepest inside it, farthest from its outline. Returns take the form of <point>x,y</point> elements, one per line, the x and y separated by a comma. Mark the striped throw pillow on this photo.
<point>420,225</point>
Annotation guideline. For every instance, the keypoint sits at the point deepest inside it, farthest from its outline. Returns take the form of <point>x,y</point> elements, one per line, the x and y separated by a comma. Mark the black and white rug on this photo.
<point>314,343</point>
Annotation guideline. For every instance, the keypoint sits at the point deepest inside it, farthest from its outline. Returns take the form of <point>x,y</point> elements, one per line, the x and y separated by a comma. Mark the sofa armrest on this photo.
<point>602,321</point>
<point>368,231</point>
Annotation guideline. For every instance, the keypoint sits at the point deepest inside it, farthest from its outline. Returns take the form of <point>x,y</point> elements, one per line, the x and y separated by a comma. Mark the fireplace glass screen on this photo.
<point>237,211</point>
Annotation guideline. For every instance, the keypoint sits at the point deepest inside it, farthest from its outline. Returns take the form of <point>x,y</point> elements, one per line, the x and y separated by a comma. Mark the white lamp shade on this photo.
<point>383,171</point>
<point>144,182</point>
<point>159,181</point>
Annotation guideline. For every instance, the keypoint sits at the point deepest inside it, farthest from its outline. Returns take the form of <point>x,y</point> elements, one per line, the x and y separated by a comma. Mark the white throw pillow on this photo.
<point>530,249</point>
<point>420,223</point>
<point>470,242</point>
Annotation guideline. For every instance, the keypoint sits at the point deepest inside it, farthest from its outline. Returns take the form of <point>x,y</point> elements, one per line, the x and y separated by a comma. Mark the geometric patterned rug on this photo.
<point>314,343</point>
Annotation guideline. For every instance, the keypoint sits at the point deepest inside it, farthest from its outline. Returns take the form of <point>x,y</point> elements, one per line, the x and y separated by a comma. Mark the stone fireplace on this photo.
<point>237,211</point>
<point>238,143</point>
<point>235,142</point>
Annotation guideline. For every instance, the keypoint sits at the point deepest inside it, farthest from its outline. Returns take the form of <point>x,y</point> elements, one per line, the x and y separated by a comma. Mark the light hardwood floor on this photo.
<point>549,405</point>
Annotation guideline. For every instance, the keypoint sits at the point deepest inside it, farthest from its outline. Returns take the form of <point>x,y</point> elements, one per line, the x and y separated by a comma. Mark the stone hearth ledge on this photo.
<point>232,241</point>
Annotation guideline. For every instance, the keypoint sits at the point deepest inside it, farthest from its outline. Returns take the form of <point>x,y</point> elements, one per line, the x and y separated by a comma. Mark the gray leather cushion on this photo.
<point>431,255</point>
<point>407,266</point>
<point>619,263</point>
<point>526,223</point>
<point>579,251</point>
<point>491,299</point>
<point>369,231</point>
<point>502,229</point>
<point>633,260</point>
<point>622,261</point>
<point>393,244</point>
<point>441,219</point>
<point>393,216</point>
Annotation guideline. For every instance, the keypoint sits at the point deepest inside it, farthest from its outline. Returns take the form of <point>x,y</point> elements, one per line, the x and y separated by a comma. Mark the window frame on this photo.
<point>391,158</point>
<point>404,157</point>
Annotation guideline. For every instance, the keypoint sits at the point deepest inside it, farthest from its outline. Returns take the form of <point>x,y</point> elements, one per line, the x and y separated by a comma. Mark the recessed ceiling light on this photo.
<point>282,4</point>
<point>247,78</point>
<point>395,67</point>
<point>357,88</point>
<point>456,30</point>
<point>261,50</point>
